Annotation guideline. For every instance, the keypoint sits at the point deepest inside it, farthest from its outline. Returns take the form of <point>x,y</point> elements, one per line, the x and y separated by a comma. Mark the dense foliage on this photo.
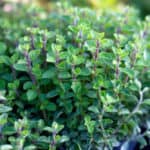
<point>73,79</point>
<point>144,6</point>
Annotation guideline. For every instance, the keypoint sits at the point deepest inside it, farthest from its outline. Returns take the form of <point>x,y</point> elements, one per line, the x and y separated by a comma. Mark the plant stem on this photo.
<point>33,78</point>
<point>32,42</point>
<point>103,130</point>
<point>101,124</point>
<point>29,66</point>
<point>132,113</point>
<point>133,60</point>
<point>14,76</point>
<point>52,145</point>
<point>44,50</point>
<point>117,68</point>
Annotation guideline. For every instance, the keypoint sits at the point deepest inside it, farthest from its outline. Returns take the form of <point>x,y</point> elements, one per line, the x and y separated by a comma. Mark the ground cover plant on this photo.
<point>75,79</point>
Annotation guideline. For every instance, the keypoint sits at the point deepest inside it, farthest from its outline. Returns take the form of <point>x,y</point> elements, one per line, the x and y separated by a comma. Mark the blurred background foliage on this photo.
<point>143,5</point>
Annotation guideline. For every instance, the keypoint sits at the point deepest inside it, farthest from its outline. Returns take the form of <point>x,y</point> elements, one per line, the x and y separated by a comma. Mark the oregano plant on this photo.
<point>77,79</point>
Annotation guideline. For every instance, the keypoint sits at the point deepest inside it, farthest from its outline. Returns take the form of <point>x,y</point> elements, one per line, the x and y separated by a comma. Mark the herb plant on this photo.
<point>75,80</point>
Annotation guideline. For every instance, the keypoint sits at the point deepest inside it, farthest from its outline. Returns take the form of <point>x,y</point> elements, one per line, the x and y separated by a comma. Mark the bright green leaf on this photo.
<point>31,95</point>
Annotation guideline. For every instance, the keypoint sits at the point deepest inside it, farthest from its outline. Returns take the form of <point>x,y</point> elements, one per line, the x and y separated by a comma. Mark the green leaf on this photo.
<point>2,98</point>
<point>62,65</point>
<point>54,128</point>
<point>90,124</point>
<point>64,75</point>
<point>2,48</point>
<point>36,70</point>
<point>85,72</point>
<point>5,59</point>
<point>3,119</point>
<point>146,102</point>
<point>21,66</point>
<point>93,109</point>
<point>77,71</point>
<point>92,94</point>
<point>76,87</point>
<point>124,112</point>
<point>8,130</point>
<point>78,60</point>
<point>64,139</point>
<point>57,127</point>
<point>31,95</point>
<point>133,87</point>
<point>146,89</point>
<point>48,74</point>
<point>49,129</point>
<point>90,44</point>
<point>79,147</point>
<point>51,58</point>
<point>110,99</point>
<point>138,83</point>
<point>51,106</point>
<point>31,147</point>
<point>128,71</point>
<point>56,47</point>
<point>146,55</point>
<point>43,139</point>
<point>27,85</point>
<point>4,109</point>
<point>6,147</point>
<point>107,121</point>
<point>34,54</point>
<point>2,86</point>
<point>124,54</point>
<point>52,94</point>
<point>106,58</point>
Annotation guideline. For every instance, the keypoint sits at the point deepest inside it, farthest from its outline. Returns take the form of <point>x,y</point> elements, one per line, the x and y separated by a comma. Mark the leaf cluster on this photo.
<point>74,80</point>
